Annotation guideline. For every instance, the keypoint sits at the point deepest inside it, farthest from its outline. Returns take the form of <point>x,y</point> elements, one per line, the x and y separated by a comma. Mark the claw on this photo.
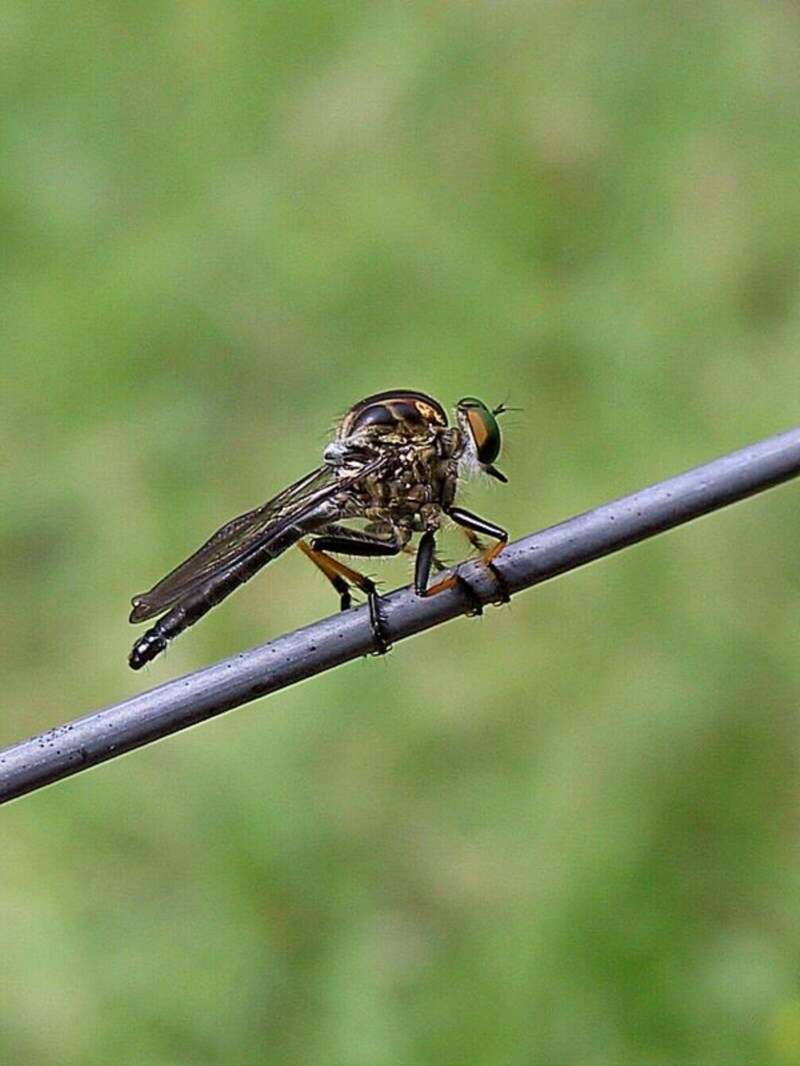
<point>469,593</point>
<point>440,586</point>
<point>456,580</point>
<point>488,561</point>
<point>377,624</point>
<point>502,584</point>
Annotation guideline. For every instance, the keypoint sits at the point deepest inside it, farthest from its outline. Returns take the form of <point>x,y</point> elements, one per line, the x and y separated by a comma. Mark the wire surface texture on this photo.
<point>104,734</point>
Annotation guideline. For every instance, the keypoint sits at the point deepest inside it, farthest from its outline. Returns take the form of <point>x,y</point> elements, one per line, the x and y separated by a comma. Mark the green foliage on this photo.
<point>564,834</point>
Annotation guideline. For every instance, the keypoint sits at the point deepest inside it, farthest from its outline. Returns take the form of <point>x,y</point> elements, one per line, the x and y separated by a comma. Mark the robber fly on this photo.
<point>393,462</point>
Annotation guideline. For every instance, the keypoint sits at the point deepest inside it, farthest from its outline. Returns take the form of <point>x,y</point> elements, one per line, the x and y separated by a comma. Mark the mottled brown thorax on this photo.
<point>411,428</point>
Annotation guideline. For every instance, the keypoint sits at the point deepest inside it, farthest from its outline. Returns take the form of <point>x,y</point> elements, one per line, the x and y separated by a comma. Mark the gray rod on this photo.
<point>77,745</point>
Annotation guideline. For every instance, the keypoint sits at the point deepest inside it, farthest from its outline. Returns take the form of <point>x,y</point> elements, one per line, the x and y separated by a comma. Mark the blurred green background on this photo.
<point>566,833</point>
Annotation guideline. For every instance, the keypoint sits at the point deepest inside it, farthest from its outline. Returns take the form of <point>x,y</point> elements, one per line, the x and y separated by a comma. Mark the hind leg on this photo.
<point>353,542</point>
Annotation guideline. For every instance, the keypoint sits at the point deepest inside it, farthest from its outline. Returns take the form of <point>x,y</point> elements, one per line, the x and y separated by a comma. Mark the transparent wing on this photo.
<point>239,536</point>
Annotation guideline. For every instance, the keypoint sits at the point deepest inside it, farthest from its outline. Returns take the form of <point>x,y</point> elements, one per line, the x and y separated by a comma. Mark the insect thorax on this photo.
<point>418,477</point>
<point>417,480</point>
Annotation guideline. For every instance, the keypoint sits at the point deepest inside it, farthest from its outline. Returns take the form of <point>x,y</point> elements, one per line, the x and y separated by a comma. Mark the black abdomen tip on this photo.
<point>144,650</point>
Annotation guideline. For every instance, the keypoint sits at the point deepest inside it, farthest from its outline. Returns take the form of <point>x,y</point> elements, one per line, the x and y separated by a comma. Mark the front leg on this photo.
<point>475,524</point>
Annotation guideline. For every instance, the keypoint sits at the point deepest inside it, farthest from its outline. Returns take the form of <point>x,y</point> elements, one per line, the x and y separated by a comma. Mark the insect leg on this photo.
<point>472,525</point>
<point>473,538</point>
<point>329,569</point>
<point>436,562</point>
<point>475,524</point>
<point>350,542</point>
<point>426,552</point>
<point>364,546</point>
<point>337,572</point>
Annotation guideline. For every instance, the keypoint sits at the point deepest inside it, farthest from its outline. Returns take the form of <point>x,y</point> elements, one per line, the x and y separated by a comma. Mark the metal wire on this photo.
<point>78,745</point>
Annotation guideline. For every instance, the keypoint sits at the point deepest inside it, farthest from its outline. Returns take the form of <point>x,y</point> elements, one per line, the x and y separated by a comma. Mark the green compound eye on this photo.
<point>483,428</point>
